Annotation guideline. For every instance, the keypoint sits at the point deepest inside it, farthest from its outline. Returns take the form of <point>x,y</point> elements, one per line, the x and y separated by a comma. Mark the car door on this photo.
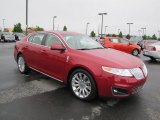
<point>114,43</point>
<point>32,50</point>
<point>124,45</point>
<point>54,61</point>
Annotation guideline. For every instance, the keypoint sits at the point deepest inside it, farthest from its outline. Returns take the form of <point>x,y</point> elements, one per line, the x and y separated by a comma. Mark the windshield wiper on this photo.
<point>90,48</point>
<point>84,49</point>
<point>98,48</point>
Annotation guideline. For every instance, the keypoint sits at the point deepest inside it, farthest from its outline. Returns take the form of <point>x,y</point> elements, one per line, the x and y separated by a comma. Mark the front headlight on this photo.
<point>116,71</point>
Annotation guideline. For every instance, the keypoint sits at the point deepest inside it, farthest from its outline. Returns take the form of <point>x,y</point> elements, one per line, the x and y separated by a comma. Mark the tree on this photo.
<point>39,28</point>
<point>6,30</point>
<point>17,28</point>
<point>120,35</point>
<point>144,37</point>
<point>154,37</point>
<point>108,35</point>
<point>114,35</point>
<point>64,28</point>
<point>93,34</point>
<point>128,36</point>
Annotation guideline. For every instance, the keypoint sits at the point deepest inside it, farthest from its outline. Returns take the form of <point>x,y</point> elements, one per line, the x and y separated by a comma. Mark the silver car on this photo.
<point>6,36</point>
<point>152,51</point>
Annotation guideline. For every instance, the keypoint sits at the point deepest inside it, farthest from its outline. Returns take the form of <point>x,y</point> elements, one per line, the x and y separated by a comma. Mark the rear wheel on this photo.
<point>22,65</point>
<point>135,52</point>
<point>153,59</point>
<point>83,85</point>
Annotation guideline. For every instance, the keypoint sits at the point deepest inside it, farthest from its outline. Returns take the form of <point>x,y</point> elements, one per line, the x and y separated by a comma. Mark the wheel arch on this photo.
<point>20,53</point>
<point>80,67</point>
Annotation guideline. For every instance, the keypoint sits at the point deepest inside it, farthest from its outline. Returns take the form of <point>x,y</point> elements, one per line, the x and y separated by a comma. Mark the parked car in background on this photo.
<point>135,39</point>
<point>122,45</point>
<point>79,61</point>
<point>143,43</point>
<point>7,37</point>
<point>152,51</point>
<point>18,36</point>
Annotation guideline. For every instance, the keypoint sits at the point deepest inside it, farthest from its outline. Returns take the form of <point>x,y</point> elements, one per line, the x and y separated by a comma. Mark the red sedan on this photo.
<point>79,61</point>
<point>122,45</point>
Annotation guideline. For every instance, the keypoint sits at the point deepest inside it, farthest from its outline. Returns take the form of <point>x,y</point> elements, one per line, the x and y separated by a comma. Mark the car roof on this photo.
<point>62,32</point>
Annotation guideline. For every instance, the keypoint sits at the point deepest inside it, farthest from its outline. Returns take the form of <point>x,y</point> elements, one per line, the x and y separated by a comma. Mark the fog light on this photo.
<point>119,91</point>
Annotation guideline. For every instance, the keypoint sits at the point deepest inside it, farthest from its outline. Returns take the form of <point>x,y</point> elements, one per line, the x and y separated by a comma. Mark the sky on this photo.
<point>76,13</point>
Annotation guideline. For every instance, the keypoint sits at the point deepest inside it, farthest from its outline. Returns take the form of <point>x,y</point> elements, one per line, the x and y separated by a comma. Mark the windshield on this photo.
<point>6,33</point>
<point>78,41</point>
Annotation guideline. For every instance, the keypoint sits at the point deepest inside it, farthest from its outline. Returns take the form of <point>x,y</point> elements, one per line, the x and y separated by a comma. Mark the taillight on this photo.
<point>153,48</point>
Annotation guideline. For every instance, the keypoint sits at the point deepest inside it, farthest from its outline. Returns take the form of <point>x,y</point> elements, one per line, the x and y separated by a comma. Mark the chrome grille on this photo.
<point>137,73</point>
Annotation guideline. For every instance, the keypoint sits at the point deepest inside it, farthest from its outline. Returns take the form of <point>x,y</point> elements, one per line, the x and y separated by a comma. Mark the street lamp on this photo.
<point>26,17</point>
<point>102,22</point>
<point>119,31</point>
<point>129,27</point>
<point>3,24</point>
<point>53,21</point>
<point>144,31</point>
<point>139,31</point>
<point>159,34</point>
<point>105,29</point>
<point>87,27</point>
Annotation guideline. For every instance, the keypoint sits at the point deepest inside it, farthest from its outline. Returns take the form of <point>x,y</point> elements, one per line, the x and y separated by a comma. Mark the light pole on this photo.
<point>159,34</point>
<point>144,31</point>
<point>102,22</point>
<point>53,21</point>
<point>119,31</point>
<point>87,27</point>
<point>129,27</point>
<point>105,29</point>
<point>3,24</point>
<point>139,31</point>
<point>26,17</point>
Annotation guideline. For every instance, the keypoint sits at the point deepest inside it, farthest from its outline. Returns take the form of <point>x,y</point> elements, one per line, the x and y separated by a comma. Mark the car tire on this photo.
<point>22,64</point>
<point>83,85</point>
<point>135,52</point>
<point>4,40</point>
<point>153,59</point>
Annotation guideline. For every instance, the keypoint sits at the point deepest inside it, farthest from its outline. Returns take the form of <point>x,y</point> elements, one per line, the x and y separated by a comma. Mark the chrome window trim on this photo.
<point>46,34</point>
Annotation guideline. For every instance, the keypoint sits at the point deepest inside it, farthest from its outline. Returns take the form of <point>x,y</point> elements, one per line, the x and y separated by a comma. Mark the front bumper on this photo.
<point>110,85</point>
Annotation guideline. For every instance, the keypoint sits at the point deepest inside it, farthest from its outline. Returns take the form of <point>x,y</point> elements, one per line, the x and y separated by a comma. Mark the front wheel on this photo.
<point>83,85</point>
<point>22,65</point>
<point>135,52</point>
<point>153,59</point>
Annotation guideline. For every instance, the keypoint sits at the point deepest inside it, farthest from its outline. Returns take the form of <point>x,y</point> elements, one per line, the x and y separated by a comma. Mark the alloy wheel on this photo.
<point>81,85</point>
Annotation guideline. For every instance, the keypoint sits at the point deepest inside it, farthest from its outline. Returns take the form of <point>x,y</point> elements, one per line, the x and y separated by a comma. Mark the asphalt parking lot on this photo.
<point>37,97</point>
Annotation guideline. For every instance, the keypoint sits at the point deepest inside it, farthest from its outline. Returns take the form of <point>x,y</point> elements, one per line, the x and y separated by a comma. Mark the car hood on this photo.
<point>113,58</point>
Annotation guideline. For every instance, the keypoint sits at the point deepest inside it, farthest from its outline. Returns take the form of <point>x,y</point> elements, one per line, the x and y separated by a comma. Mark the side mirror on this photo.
<point>58,47</point>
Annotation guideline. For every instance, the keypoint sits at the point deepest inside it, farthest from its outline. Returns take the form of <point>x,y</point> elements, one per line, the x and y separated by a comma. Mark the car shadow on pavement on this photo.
<point>151,62</point>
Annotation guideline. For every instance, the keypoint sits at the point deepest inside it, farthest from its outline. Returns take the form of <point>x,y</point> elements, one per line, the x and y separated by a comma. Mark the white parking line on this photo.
<point>28,89</point>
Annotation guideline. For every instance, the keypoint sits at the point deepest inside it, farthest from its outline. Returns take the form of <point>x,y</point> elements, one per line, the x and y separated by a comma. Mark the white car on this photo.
<point>6,36</point>
<point>152,51</point>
